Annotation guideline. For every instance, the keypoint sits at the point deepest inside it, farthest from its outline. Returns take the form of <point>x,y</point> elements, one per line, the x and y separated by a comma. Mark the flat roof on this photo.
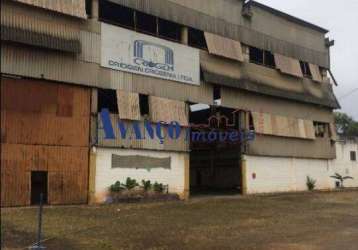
<point>288,17</point>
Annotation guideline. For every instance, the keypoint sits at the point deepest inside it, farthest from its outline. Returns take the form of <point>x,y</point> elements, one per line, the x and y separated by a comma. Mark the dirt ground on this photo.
<point>311,221</point>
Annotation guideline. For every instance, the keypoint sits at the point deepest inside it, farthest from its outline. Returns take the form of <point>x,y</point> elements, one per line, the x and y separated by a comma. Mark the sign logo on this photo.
<point>137,53</point>
<point>153,55</point>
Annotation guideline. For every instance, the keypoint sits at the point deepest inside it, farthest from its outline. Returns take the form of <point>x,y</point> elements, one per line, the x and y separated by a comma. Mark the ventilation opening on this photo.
<point>116,14</point>
<point>306,69</point>
<point>107,99</point>
<point>38,187</point>
<point>269,59</point>
<point>353,156</point>
<point>169,30</point>
<point>144,104</point>
<point>89,8</point>
<point>217,95</point>
<point>146,23</point>
<point>321,129</point>
<point>196,39</point>
<point>256,55</point>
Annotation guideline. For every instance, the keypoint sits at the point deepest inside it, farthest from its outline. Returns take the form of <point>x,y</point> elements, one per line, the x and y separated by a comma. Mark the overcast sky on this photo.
<point>341,19</point>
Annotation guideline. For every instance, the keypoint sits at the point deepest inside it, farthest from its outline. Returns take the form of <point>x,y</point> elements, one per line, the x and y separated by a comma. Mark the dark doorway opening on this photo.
<point>38,186</point>
<point>215,166</point>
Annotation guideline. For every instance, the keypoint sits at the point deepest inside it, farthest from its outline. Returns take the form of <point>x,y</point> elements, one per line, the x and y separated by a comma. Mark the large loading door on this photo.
<point>215,157</point>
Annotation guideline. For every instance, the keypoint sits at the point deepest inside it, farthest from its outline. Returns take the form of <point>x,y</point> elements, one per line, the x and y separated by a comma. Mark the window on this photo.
<point>217,95</point>
<point>353,156</point>
<point>262,57</point>
<point>143,104</point>
<point>256,55</point>
<point>169,30</point>
<point>116,14</point>
<point>146,23</point>
<point>196,38</point>
<point>107,98</point>
<point>306,69</point>
<point>88,4</point>
<point>321,129</point>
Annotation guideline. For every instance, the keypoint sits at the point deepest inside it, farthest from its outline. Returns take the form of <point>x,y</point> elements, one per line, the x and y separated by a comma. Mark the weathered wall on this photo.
<point>44,127</point>
<point>176,176</point>
<point>283,174</point>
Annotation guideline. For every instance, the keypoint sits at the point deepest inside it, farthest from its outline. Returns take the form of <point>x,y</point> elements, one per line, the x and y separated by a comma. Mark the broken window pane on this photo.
<point>107,98</point>
<point>269,59</point>
<point>256,55</point>
<point>143,104</point>
<point>305,69</point>
<point>146,23</point>
<point>169,30</point>
<point>196,39</point>
<point>116,14</point>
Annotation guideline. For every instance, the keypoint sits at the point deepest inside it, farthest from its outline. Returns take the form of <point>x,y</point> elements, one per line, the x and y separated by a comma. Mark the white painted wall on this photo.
<point>275,174</point>
<point>106,176</point>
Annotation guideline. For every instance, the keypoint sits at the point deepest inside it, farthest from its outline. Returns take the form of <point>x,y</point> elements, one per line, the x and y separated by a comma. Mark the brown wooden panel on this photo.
<point>40,112</point>
<point>67,173</point>
<point>288,65</point>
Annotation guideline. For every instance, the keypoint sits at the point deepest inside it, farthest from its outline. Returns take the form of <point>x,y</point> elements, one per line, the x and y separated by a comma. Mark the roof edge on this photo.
<point>288,17</point>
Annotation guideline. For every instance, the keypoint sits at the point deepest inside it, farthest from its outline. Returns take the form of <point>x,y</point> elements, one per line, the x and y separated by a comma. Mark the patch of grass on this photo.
<point>299,221</point>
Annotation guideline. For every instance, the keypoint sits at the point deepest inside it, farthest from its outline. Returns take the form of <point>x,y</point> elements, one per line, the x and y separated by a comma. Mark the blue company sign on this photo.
<point>155,132</point>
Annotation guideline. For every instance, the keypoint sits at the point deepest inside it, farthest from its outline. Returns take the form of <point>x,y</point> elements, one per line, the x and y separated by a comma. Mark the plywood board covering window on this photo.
<point>75,8</point>
<point>222,46</point>
<point>166,110</point>
<point>288,65</point>
<point>128,105</point>
<point>316,74</point>
<point>269,124</point>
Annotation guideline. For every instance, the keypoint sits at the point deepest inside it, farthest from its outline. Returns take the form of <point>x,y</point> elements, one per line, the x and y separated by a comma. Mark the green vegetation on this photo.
<point>311,183</point>
<point>346,125</point>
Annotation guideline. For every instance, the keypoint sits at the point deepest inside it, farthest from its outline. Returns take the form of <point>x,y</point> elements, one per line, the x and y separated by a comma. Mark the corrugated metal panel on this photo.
<point>192,18</point>
<point>56,66</point>
<point>288,65</point>
<point>163,143</point>
<point>38,112</point>
<point>91,47</point>
<point>37,63</point>
<point>75,8</point>
<point>139,162</point>
<point>67,172</point>
<point>39,40</point>
<point>27,20</point>
<point>223,46</point>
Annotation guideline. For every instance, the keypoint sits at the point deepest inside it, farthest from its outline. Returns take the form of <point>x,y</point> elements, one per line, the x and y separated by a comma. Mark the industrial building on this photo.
<point>170,91</point>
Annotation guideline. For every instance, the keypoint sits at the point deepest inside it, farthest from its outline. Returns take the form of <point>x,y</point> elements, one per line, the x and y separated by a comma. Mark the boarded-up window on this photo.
<point>223,46</point>
<point>333,131</point>
<point>288,65</point>
<point>277,125</point>
<point>316,74</point>
<point>70,7</point>
<point>128,105</point>
<point>166,110</point>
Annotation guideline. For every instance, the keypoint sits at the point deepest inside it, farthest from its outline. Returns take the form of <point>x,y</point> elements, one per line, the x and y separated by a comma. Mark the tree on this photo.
<point>346,125</point>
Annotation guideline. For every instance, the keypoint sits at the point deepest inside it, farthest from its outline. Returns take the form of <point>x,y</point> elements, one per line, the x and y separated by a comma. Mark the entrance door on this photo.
<point>38,186</point>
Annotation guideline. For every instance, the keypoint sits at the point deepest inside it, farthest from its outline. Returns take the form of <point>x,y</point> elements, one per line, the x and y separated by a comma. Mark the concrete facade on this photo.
<point>287,174</point>
<point>175,176</point>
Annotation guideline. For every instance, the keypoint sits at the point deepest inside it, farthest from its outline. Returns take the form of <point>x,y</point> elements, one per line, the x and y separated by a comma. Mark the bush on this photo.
<point>311,183</point>
<point>116,187</point>
<point>131,183</point>
<point>158,187</point>
<point>146,185</point>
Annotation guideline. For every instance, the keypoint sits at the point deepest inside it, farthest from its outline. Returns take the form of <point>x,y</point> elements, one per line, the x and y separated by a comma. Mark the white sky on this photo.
<point>341,18</point>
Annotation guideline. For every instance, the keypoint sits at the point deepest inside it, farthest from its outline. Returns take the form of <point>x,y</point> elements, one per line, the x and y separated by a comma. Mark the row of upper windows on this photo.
<point>141,22</point>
